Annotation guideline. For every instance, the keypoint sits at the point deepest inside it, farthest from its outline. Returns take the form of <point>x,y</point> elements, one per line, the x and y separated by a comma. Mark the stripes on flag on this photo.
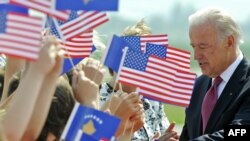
<point>86,21</point>
<point>45,6</point>
<point>22,36</point>
<point>155,39</point>
<point>179,56</point>
<point>182,85</point>
<point>157,78</point>
<point>79,46</point>
<point>184,82</point>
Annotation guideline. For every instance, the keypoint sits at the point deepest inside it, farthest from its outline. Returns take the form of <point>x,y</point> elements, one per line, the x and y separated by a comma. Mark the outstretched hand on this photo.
<point>50,57</point>
<point>85,90</point>
<point>170,134</point>
<point>93,69</point>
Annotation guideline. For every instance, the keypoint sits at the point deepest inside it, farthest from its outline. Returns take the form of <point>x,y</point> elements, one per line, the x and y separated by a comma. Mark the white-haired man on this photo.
<point>221,94</point>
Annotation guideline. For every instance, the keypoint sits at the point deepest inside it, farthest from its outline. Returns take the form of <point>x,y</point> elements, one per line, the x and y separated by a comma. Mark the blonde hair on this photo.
<point>100,46</point>
<point>138,29</point>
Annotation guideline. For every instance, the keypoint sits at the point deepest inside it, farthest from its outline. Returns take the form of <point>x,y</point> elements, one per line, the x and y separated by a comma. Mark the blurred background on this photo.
<point>171,17</point>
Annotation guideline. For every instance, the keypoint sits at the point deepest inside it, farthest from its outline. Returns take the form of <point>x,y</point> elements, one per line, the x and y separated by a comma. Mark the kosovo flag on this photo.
<point>89,124</point>
<point>88,5</point>
<point>67,65</point>
<point>114,53</point>
<point>84,137</point>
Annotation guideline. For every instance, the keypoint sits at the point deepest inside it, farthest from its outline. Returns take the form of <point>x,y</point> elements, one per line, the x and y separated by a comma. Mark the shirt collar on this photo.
<point>226,75</point>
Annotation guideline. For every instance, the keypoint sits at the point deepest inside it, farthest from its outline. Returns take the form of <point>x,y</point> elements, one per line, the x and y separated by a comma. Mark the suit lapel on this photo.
<point>230,91</point>
<point>200,93</point>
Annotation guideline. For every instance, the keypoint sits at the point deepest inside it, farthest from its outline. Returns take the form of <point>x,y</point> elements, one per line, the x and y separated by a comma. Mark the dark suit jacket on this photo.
<point>232,107</point>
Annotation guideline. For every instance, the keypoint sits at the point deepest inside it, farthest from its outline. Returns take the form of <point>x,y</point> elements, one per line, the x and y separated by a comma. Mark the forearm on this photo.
<point>22,105</point>
<point>93,103</point>
<point>42,107</point>
<point>13,66</point>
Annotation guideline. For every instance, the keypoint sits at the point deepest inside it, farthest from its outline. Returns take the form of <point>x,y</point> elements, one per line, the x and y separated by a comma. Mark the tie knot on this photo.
<point>217,81</point>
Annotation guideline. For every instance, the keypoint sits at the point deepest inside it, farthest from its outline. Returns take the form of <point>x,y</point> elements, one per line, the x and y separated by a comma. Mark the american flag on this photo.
<point>45,6</point>
<point>21,35</point>
<point>154,76</point>
<point>184,82</point>
<point>54,24</point>
<point>184,79</point>
<point>179,56</point>
<point>79,46</point>
<point>156,50</point>
<point>139,42</point>
<point>85,21</point>
<point>133,41</point>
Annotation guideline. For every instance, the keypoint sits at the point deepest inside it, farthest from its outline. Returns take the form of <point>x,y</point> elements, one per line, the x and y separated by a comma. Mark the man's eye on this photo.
<point>202,46</point>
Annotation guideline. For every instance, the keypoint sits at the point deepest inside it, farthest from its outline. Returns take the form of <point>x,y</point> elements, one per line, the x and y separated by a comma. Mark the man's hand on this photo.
<point>170,134</point>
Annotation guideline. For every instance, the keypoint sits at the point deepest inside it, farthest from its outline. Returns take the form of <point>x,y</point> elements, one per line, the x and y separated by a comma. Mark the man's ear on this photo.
<point>231,42</point>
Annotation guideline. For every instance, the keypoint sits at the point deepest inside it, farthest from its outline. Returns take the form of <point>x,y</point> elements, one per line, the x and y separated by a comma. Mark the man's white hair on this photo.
<point>225,24</point>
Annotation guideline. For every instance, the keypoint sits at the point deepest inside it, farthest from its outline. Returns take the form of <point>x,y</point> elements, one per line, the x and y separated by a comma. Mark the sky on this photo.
<point>137,9</point>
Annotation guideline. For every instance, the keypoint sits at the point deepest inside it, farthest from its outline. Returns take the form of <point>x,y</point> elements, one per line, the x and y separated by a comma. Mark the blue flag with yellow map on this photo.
<point>88,5</point>
<point>89,124</point>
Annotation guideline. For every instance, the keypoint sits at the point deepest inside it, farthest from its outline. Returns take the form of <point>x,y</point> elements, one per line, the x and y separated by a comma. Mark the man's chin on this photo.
<point>205,72</point>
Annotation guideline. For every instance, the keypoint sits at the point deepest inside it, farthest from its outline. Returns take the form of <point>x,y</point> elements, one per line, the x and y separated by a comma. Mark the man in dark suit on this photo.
<point>215,37</point>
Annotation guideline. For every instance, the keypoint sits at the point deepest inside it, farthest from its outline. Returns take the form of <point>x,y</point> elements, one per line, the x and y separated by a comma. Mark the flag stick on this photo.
<point>103,61</point>
<point>63,42</point>
<point>118,74</point>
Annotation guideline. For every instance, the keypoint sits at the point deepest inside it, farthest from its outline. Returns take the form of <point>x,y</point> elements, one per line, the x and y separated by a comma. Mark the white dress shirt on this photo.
<point>226,75</point>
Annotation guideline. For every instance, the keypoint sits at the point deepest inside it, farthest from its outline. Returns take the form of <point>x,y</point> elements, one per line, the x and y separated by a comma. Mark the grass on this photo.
<point>175,113</point>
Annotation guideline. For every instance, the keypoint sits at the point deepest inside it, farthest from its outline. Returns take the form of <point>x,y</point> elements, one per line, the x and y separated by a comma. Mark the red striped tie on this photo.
<point>209,102</point>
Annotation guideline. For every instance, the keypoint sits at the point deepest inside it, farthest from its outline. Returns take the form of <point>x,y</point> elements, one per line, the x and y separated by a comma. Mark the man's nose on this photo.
<point>197,54</point>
